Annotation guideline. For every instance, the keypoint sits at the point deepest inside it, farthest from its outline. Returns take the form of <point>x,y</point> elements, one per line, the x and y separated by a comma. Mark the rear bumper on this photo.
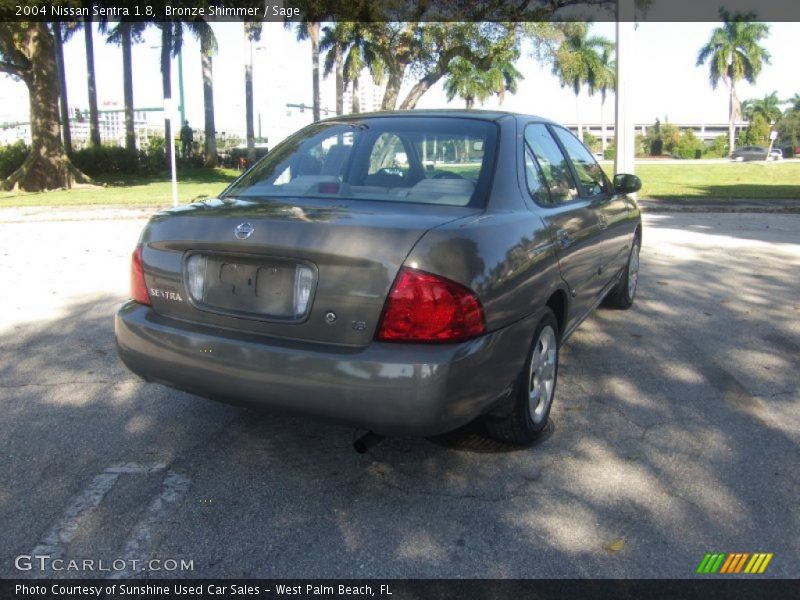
<point>388,388</point>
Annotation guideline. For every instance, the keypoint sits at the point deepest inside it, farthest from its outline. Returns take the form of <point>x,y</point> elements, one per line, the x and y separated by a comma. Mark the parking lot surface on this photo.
<point>675,433</point>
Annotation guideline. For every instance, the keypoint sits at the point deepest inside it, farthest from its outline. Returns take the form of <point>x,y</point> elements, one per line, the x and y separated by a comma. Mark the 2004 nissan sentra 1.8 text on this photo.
<point>405,272</point>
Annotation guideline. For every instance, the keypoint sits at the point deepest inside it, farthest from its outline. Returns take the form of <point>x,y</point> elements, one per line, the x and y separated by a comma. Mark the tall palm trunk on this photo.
<point>313,34</point>
<point>731,116</point>
<point>248,96</point>
<point>603,120</point>
<point>356,98</point>
<point>166,81</point>
<point>62,87</point>
<point>127,86</point>
<point>339,79</point>
<point>94,124</point>
<point>207,66</point>
<point>578,116</point>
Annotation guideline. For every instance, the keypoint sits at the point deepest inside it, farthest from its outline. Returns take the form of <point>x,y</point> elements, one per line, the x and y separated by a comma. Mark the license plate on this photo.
<point>270,288</point>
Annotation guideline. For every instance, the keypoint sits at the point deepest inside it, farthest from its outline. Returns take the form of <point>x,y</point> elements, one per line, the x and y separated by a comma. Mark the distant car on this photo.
<point>343,277</point>
<point>755,153</point>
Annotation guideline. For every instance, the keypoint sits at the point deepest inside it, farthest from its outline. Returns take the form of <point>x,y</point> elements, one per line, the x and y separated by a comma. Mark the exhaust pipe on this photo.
<point>367,441</point>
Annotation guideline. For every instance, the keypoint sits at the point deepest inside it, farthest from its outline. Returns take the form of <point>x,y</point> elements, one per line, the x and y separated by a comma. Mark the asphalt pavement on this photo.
<point>675,433</point>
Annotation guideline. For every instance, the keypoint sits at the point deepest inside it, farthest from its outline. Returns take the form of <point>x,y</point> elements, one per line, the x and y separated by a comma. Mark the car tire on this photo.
<point>623,294</point>
<point>535,388</point>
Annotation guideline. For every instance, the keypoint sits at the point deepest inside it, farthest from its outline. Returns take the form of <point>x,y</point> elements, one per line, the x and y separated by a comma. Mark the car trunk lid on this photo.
<point>301,269</point>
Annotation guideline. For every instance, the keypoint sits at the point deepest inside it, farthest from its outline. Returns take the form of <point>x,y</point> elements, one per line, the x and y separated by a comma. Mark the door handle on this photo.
<point>562,235</point>
<point>603,221</point>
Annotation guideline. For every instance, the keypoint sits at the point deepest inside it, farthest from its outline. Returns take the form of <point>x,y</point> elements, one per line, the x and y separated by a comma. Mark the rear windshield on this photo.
<point>431,160</point>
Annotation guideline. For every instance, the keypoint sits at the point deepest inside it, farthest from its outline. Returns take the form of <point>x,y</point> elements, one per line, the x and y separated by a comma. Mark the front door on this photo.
<point>572,221</point>
<point>613,210</point>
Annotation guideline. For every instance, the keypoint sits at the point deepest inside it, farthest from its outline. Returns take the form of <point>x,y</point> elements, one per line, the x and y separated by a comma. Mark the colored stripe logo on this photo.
<point>734,562</point>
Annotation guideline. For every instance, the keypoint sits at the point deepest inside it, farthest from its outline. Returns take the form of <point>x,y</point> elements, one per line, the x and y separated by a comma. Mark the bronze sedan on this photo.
<point>406,272</point>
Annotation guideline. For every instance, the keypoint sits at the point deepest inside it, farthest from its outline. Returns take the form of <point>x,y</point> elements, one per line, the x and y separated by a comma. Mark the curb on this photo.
<point>724,206</point>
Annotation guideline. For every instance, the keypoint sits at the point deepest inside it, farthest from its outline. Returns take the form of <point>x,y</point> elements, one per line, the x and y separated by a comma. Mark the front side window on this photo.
<point>553,163</point>
<point>589,172</point>
<point>429,160</point>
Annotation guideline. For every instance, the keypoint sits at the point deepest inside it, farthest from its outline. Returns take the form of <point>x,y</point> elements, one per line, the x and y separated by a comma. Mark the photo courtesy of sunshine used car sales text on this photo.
<point>182,589</point>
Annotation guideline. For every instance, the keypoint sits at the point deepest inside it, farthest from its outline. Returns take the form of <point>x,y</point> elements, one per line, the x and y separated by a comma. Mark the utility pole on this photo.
<point>624,127</point>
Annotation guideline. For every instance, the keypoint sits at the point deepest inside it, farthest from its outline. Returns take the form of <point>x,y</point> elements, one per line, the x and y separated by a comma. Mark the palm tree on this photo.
<point>94,123</point>
<point>465,80</point>
<point>606,79</point>
<point>768,107</point>
<point>734,53</point>
<point>469,81</point>
<point>208,47</point>
<point>793,102</point>
<point>309,30</point>
<point>170,46</point>
<point>502,75</point>
<point>125,34</point>
<point>361,53</point>
<point>61,33</point>
<point>252,33</point>
<point>577,61</point>
<point>335,41</point>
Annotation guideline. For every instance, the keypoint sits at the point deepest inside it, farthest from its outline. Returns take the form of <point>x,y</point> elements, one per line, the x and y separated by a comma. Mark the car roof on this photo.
<point>486,115</point>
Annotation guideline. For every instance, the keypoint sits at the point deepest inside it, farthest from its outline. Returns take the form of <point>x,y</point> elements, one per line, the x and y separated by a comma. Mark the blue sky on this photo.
<point>668,85</point>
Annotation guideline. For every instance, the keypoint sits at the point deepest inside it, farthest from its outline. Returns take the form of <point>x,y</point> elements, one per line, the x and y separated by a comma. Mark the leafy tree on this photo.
<point>592,142</point>
<point>734,53</point>
<point>756,133</point>
<point>789,128</point>
<point>719,147</point>
<point>689,145</point>
<point>27,53</point>
<point>671,136</point>
<point>491,47</point>
<point>578,62</point>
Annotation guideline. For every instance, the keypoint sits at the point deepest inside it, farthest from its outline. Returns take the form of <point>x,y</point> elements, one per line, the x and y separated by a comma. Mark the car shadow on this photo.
<point>675,434</point>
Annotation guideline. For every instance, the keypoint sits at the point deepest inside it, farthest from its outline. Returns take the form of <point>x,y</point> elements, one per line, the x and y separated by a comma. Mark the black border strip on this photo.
<point>392,10</point>
<point>405,589</point>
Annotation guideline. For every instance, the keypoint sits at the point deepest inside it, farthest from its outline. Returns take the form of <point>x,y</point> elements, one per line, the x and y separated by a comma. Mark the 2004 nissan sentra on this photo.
<point>405,272</point>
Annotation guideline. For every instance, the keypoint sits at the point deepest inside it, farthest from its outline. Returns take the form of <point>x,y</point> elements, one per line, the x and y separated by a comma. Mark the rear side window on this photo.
<point>537,185</point>
<point>551,159</point>
<point>592,178</point>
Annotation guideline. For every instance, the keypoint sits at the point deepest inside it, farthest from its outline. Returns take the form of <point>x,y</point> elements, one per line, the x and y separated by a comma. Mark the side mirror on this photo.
<point>626,184</point>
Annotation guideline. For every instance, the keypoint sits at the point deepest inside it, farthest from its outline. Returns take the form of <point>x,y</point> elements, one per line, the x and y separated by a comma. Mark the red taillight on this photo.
<point>426,308</point>
<point>138,286</point>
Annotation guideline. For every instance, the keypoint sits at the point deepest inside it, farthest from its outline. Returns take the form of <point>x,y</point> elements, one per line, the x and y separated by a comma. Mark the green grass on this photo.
<point>667,180</point>
<point>725,181</point>
<point>193,184</point>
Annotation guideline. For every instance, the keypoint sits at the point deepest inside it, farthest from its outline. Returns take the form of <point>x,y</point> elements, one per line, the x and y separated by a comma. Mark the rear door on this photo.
<point>572,221</point>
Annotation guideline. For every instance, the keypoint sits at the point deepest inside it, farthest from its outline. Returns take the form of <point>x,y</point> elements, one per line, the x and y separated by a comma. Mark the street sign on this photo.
<point>773,135</point>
